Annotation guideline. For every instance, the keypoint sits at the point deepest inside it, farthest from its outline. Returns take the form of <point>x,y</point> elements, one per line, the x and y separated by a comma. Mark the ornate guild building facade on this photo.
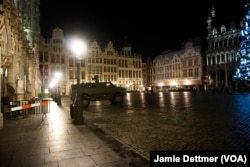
<point>223,44</point>
<point>180,69</point>
<point>122,68</point>
<point>148,69</point>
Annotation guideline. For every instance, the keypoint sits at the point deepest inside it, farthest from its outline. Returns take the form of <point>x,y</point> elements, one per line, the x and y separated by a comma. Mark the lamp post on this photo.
<point>78,47</point>
<point>58,76</point>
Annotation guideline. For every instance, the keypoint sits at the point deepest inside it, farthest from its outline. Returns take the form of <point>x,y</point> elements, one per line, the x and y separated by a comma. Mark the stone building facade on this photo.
<point>181,69</point>
<point>148,69</point>
<point>20,76</point>
<point>122,68</point>
<point>223,43</point>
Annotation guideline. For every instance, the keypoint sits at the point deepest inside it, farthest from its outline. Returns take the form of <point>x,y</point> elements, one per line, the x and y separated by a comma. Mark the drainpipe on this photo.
<point>1,114</point>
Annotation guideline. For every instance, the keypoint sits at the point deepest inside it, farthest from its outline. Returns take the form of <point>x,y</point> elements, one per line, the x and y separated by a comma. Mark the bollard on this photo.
<point>44,106</point>
<point>1,120</point>
<point>71,110</point>
<point>78,111</point>
<point>59,102</point>
<point>37,108</point>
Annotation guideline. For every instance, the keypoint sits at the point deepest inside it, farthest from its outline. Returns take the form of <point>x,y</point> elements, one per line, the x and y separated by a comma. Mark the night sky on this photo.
<point>150,26</point>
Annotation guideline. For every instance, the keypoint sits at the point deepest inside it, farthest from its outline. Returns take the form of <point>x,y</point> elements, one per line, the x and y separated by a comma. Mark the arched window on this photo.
<point>220,43</point>
<point>235,41</point>
<point>222,58</point>
<point>225,43</point>
<point>213,60</point>
<point>228,58</point>
<point>209,61</point>
<point>218,59</point>
<point>216,45</point>
<point>230,42</point>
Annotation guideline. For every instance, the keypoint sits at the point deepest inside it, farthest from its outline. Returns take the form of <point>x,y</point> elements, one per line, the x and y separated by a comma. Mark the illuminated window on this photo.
<point>71,64</point>
<point>196,72</point>
<point>52,59</point>
<point>190,62</point>
<point>184,73</point>
<point>71,74</point>
<point>190,72</point>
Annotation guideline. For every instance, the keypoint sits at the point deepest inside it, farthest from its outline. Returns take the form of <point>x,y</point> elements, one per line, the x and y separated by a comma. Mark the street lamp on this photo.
<point>78,47</point>
<point>58,76</point>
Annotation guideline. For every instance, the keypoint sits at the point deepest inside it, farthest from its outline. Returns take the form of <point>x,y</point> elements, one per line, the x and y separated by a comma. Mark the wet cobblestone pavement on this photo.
<point>176,121</point>
<point>52,140</point>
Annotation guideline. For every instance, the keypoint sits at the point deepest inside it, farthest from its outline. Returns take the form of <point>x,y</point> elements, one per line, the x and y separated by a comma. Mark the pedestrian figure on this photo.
<point>194,90</point>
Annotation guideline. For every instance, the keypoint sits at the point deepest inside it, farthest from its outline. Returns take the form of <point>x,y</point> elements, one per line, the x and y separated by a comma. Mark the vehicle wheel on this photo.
<point>71,110</point>
<point>85,101</point>
<point>118,98</point>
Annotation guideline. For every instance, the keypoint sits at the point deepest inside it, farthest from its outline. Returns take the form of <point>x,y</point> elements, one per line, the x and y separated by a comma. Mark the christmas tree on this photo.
<point>242,73</point>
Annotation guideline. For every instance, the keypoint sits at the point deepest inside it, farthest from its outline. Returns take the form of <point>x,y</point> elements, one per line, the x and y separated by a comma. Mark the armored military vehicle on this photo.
<point>98,91</point>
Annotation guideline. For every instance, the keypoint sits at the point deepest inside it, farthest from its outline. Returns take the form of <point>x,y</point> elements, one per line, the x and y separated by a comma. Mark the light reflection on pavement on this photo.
<point>176,121</point>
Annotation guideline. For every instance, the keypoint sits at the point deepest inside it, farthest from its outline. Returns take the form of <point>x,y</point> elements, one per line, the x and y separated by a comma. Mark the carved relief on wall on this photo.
<point>5,54</point>
<point>19,84</point>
